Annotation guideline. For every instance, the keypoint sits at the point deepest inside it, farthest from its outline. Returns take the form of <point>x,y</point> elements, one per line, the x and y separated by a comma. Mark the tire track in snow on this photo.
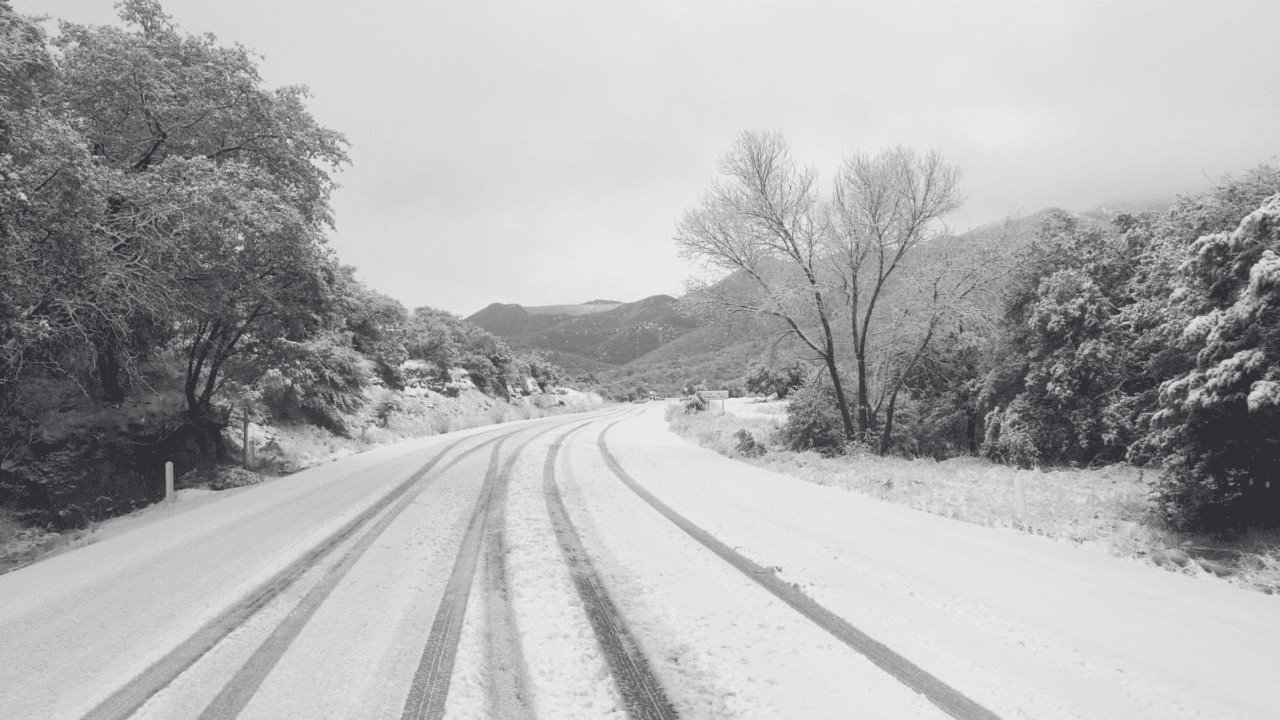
<point>945,697</point>
<point>430,685</point>
<point>134,694</point>
<point>245,683</point>
<point>641,692</point>
<point>429,689</point>
<point>509,695</point>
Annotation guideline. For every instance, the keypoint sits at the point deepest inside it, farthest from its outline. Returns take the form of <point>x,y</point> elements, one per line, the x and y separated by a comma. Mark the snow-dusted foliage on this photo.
<point>1154,340</point>
<point>1219,422</point>
<point>813,422</point>
<point>1061,363</point>
<point>164,261</point>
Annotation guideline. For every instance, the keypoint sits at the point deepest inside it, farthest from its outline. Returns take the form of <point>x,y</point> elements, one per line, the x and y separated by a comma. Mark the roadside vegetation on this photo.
<point>1151,340</point>
<point>1107,508</point>
<point>166,285</point>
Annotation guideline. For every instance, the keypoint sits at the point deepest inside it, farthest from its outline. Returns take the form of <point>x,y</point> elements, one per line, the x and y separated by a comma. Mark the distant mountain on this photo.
<point>589,335</point>
<point>651,343</point>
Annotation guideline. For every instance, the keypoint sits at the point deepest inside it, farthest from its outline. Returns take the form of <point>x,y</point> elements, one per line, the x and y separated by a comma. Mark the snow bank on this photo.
<point>1026,626</point>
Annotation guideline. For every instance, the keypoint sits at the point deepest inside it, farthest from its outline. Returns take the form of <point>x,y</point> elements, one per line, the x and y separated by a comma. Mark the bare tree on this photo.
<point>764,220</point>
<point>883,209</point>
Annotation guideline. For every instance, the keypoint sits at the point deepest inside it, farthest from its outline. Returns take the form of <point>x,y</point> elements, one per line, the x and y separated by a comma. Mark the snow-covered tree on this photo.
<point>1219,422</point>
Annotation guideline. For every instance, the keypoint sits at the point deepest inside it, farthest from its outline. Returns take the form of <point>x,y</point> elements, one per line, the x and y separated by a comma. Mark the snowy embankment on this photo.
<point>1029,627</point>
<point>286,448</point>
<point>757,408</point>
<point>1106,508</point>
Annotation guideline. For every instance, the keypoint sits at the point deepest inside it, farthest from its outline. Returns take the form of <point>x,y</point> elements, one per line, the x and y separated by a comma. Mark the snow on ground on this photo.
<point>721,645</point>
<point>757,408</point>
<point>568,675</point>
<point>358,654</point>
<point>1026,626</point>
<point>79,625</point>
<point>469,684</point>
<point>1107,509</point>
<point>198,685</point>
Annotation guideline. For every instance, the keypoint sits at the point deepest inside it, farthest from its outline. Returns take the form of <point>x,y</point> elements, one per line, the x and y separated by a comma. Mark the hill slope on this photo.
<point>603,332</point>
<point>654,344</point>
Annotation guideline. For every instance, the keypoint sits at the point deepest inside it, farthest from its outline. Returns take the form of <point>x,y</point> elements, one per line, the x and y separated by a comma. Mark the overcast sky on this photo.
<point>541,152</point>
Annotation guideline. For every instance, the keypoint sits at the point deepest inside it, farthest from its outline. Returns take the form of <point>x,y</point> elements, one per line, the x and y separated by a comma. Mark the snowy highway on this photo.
<point>598,566</point>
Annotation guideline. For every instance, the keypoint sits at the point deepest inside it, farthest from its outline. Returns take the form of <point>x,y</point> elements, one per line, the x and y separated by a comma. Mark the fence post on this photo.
<point>168,480</point>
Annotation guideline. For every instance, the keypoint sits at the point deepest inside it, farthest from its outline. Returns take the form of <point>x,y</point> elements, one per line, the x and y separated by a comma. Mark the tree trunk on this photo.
<point>972,430</point>
<point>845,417</point>
<point>864,403</point>
<point>108,367</point>
<point>886,437</point>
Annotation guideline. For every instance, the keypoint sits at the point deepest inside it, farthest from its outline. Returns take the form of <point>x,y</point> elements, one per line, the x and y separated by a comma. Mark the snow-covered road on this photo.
<point>597,566</point>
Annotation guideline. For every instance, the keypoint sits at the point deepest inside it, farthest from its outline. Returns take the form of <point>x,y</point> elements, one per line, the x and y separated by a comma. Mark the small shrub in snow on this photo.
<point>695,404</point>
<point>746,444</point>
<point>220,478</point>
<point>813,421</point>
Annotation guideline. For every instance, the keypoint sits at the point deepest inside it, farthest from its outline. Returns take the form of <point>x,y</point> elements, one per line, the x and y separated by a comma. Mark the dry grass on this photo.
<point>21,545</point>
<point>1106,508</point>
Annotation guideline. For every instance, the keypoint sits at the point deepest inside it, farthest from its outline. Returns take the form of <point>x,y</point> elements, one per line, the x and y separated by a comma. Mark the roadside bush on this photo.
<point>1016,435</point>
<point>695,404</point>
<point>746,445</point>
<point>75,482</point>
<point>781,380</point>
<point>317,381</point>
<point>813,421</point>
<point>387,408</point>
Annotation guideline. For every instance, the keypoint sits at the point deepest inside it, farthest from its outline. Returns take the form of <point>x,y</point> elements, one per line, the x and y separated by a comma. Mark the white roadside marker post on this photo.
<point>168,481</point>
